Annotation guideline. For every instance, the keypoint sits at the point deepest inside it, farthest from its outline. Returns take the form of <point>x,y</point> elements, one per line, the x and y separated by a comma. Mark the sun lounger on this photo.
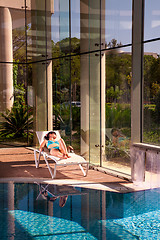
<point>50,191</point>
<point>73,160</point>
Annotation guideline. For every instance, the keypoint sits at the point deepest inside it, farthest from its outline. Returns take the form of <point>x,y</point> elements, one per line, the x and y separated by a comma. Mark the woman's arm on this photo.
<point>42,145</point>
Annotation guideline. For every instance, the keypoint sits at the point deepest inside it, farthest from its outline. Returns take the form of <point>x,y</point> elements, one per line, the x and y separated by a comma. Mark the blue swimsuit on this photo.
<point>51,142</point>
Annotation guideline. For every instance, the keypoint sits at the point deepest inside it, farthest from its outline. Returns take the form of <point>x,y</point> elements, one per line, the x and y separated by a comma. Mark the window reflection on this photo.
<point>118,21</point>
<point>151,74</point>
<point>118,109</point>
<point>152,19</point>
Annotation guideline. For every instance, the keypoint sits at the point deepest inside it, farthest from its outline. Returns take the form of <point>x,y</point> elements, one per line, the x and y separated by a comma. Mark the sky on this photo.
<point>118,21</point>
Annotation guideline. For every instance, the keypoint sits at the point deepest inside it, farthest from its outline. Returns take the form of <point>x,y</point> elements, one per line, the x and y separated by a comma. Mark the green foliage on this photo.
<point>118,116</point>
<point>151,78</point>
<point>76,118</point>
<point>151,136</point>
<point>113,43</point>
<point>157,108</point>
<point>118,77</point>
<point>19,89</point>
<point>151,132</point>
<point>62,116</point>
<point>64,71</point>
<point>113,94</point>
<point>16,121</point>
<point>19,42</point>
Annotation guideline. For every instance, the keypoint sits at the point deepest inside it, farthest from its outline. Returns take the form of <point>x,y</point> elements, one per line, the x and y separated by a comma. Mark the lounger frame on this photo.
<point>74,160</point>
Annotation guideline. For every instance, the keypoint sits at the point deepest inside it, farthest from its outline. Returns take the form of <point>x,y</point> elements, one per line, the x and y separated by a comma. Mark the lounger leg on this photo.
<point>55,168</point>
<point>84,172</point>
<point>87,167</point>
<point>50,170</point>
<point>35,158</point>
<point>40,191</point>
<point>38,159</point>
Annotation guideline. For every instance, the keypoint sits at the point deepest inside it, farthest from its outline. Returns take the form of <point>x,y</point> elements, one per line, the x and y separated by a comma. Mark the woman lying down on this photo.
<point>57,148</point>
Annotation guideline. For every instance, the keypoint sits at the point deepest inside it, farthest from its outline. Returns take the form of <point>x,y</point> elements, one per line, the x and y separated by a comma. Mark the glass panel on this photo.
<point>151,19</point>
<point>38,73</point>
<point>75,20</point>
<point>18,34</point>
<point>36,31</point>
<point>60,31</point>
<point>151,123</point>
<point>62,73</point>
<point>94,15</point>
<point>61,99</point>
<point>85,109</point>
<point>12,33</point>
<point>64,20</point>
<point>55,22</point>
<point>94,82</point>
<point>118,22</point>
<point>94,103</point>
<point>118,110</point>
<point>6,87</point>
<point>61,104</point>
<point>30,34</point>
<point>76,103</point>
<point>17,116</point>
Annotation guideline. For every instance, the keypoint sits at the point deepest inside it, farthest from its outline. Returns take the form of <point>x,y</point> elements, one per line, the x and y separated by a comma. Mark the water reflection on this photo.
<point>51,193</point>
<point>34,211</point>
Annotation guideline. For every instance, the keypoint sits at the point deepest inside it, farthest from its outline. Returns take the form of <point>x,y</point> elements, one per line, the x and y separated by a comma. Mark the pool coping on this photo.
<point>111,187</point>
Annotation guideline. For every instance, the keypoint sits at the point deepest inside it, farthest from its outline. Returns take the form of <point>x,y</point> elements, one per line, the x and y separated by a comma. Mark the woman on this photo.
<point>57,148</point>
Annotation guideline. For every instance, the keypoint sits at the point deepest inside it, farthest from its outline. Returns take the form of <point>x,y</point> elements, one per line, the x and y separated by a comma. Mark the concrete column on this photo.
<point>84,77</point>
<point>49,10</point>
<point>6,55</point>
<point>92,80</point>
<point>42,71</point>
<point>137,81</point>
<point>103,82</point>
<point>137,71</point>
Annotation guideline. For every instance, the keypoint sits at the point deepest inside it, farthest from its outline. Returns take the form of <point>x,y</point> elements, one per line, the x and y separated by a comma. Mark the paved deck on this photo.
<point>17,164</point>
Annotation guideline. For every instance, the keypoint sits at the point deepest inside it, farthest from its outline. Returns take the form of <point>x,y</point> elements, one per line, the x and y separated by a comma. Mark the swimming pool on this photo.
<point>32,211</point>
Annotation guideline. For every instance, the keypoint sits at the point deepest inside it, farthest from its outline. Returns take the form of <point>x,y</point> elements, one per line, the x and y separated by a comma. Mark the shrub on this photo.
<point>16,121</point>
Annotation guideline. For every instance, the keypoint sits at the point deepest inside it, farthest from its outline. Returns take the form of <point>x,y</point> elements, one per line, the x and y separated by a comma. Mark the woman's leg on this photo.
<point>63,147</point>
<point>57,153</point>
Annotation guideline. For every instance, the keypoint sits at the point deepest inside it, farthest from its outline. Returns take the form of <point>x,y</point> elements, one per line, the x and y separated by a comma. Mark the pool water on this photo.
<point>32,211</point>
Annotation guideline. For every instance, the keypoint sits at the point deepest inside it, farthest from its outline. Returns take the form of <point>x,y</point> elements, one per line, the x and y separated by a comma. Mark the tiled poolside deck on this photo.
<point>17,164</point>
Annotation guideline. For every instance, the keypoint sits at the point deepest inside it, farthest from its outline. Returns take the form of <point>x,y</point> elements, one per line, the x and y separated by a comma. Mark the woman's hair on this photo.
<point>47,135</point>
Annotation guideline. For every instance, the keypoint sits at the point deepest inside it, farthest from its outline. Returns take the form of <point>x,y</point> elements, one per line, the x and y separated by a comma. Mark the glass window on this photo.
<point>151,106</point>
<point>60,30</point>
<point>118,110</point>
<point>37,32</point>
<point>152,19</point>
<point>118,22</point>
<point>16,116</point>
<point>18,34</point>
<point>66,99</point>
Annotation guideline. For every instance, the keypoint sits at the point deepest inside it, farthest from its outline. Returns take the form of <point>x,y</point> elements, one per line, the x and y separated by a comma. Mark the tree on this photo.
<point>62,72</point>
<point>118,74</point>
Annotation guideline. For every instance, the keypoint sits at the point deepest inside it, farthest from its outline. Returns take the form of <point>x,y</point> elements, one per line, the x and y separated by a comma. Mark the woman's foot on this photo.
<point>64,156</point>
<point>62,201</point>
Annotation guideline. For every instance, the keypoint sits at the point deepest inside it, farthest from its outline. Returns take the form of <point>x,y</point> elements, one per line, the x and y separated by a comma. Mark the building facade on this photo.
<point>89,68</point>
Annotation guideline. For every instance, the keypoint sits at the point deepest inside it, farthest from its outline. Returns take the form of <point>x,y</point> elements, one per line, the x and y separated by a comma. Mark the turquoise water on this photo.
<point>26,213</point>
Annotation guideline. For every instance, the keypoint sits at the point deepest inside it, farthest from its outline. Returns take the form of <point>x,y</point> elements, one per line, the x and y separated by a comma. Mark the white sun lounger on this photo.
<point>57,190</point>
<point>73,160</point>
